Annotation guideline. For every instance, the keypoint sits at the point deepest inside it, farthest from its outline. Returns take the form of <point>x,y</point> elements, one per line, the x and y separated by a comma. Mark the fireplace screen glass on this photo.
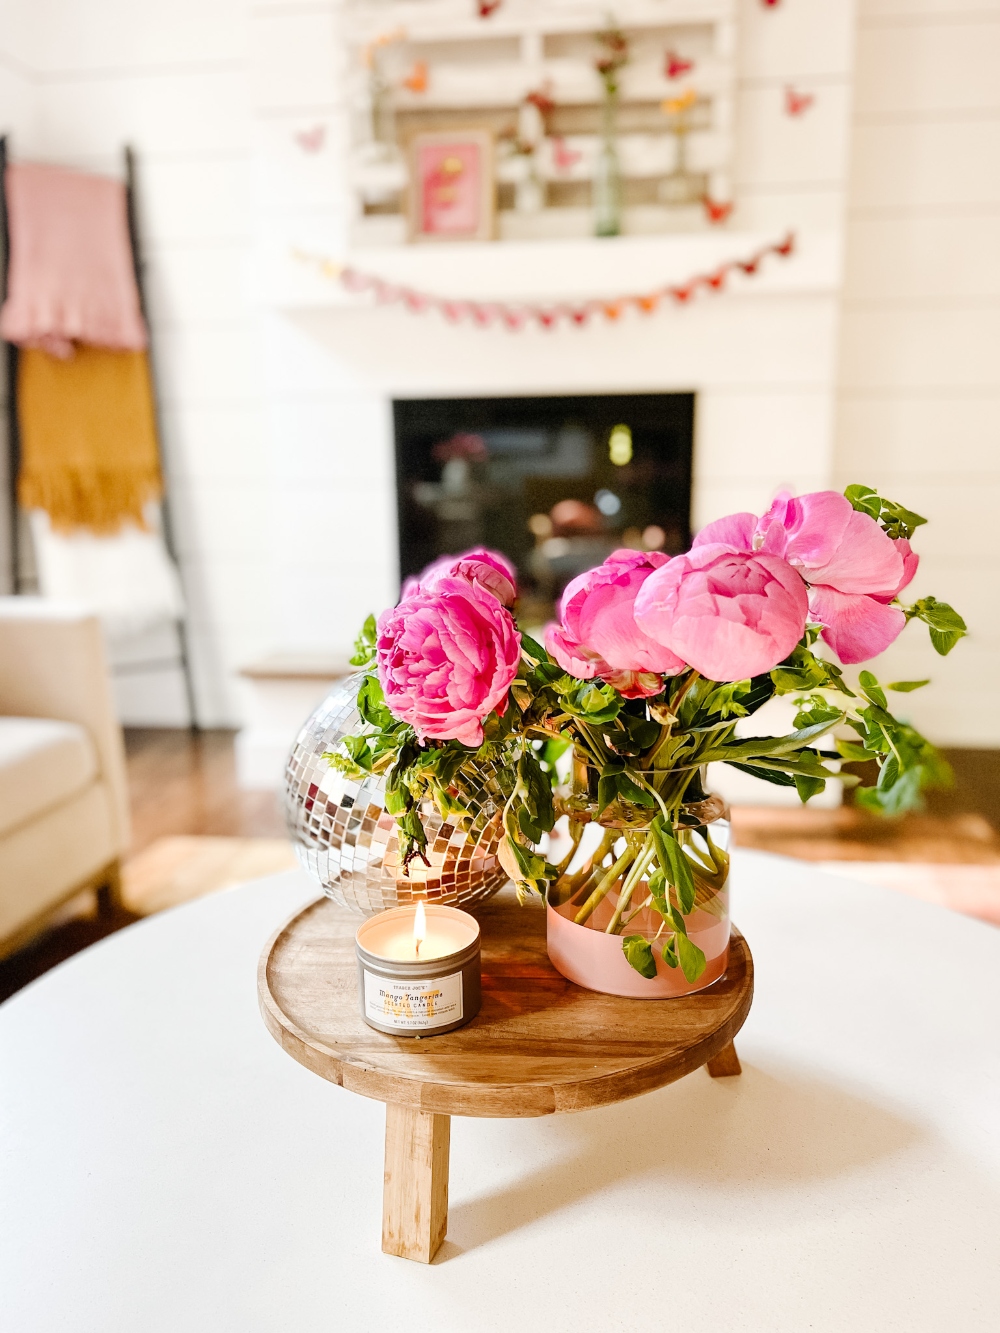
<point>554,483</point>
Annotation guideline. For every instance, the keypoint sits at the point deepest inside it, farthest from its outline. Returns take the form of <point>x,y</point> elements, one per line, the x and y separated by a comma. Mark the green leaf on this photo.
<point>765,774</point>
<point>857,754</point>
<point>639,953</point>
<point>815,710</point>
<point>802,670</point>
<point>944,640</point>
<point>364,644</point>
<point>595,703</point>
<point>691,958</point>
<point>552,751</point>
<point>865,500</point>
<point>899,521</point>
<point>906,686</point>
<point>669,954</point>
<point>807,787</point>
<point>871,689</point>
<point>631,792</point>
<point>372,705</point>
<point>674,863</point>
<point>945,624</point>
<point>533,650</point>
<point>727,700</point>
<point>357,748</point>
<point>758,746</point>
<point>607,791</point>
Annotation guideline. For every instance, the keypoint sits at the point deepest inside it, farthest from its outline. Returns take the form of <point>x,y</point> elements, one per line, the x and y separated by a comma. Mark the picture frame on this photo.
<point>452,193</point>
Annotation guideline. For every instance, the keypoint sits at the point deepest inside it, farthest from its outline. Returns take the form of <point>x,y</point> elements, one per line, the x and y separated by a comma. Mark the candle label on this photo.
<point>413,1004</point>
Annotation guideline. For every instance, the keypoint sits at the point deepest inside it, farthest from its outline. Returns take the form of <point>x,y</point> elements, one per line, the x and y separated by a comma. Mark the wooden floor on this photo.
<point>185,783</point>
<point>194,831</point>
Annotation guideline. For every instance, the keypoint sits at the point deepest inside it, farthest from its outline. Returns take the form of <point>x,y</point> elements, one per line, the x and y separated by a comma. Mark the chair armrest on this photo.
<point>53,664</point>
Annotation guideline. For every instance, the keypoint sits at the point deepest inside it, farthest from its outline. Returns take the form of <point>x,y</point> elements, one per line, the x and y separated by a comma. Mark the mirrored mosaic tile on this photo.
<point>345,839</point>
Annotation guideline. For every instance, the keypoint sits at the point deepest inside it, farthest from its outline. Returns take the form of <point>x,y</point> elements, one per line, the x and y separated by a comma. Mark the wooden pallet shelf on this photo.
<point>478,73</point>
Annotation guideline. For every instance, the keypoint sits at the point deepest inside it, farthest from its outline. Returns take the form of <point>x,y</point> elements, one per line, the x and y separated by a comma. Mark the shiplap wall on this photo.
<point>279,442</point>
<point>172,79</point>
<point>919,403</point>
<point>282,453</point>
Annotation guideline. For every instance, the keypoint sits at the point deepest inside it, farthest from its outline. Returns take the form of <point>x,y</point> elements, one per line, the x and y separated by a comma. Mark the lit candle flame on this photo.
<point>419,927</point>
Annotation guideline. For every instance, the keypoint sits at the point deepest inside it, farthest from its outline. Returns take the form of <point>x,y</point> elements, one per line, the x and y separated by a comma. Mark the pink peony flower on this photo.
<point>730,614</point>
<point>598,635</point>
<point>446,657</point>
<point>852,566</point>
<point>490,569</point>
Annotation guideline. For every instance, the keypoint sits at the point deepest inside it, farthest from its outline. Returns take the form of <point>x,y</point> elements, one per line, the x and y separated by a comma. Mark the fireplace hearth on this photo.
<point>556,483</point>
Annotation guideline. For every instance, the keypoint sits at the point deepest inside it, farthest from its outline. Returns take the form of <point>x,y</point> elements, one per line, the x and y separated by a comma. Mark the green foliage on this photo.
<point>905,686</point>
<point>690,957</point>
<point>639,953</point>
<point>533,651</point>
<point>364,644</point>
<point>372,706</point>
<point>908,763</point>
<point>591,701</point>
<point>803,670</point>
<point>945,624</point>
<point>897,521</point>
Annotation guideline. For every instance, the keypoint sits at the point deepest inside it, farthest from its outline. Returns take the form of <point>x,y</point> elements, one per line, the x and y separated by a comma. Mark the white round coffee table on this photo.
<point>164,1167</point>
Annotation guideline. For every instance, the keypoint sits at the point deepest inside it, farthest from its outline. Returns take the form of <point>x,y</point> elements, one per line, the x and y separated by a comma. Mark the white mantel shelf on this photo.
<point>565,270</point>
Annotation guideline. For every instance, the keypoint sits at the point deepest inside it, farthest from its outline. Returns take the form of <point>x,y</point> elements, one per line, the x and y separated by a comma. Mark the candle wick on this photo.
<point>416,947</point>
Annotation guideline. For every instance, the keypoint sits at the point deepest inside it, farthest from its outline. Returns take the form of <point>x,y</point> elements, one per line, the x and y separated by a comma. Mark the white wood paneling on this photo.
<point>919,409</point>
<point>927,165</point>
<point>946,64</point>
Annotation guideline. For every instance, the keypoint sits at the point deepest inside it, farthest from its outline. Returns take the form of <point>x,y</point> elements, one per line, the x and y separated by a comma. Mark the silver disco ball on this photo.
<point>345,839</point>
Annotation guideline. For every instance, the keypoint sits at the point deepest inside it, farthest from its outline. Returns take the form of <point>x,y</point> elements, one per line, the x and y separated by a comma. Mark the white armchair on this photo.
<point>63,798</point>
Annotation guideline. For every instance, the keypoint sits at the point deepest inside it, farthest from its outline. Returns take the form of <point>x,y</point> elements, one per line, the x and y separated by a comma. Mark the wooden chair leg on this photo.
<point>725,1064</point>
<point>415,1191</point>
<point>109,893</point>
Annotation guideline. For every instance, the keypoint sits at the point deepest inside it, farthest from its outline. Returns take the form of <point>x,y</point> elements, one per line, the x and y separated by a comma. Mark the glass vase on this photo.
<point>607,185</point>
<point>344,837</point>
<point>585,930</point>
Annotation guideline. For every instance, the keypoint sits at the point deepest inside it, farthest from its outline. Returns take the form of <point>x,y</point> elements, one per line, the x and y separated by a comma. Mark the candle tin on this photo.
<point>416,998</point>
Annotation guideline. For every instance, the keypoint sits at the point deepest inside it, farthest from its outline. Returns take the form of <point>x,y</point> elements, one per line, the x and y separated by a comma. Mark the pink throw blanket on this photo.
<point>71,276</point>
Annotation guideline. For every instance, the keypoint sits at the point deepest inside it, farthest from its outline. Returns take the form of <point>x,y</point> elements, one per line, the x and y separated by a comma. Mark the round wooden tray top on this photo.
<point>539,1045</point>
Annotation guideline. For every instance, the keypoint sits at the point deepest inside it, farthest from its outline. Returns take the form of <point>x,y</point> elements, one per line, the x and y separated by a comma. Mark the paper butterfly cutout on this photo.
<point>674,66</point>
<point>717,211</point>
<point>797,103</point>
<point>416,80</point>
<point>311,141</point>
<point>563,157</point>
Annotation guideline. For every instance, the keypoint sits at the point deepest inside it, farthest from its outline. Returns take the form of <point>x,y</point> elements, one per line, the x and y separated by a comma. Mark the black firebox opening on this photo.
<point>554,483</point>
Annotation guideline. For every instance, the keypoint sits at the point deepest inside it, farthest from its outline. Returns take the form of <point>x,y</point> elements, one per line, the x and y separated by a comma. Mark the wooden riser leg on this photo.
<point>725,1064</point>
<point>415,1191</point>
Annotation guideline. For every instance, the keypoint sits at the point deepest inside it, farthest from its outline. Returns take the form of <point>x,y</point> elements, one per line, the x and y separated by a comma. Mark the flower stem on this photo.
<point>634,875</point>
<point>576,833</point>
<point>605,884</point>
<point>580,878</point>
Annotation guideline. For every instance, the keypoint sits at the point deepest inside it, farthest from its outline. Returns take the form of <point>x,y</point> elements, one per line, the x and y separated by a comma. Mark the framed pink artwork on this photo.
<point>452,191</point>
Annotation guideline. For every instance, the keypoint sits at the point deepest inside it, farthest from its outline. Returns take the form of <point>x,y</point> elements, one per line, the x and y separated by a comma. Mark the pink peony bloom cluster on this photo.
<point>447,654</point>
<point>854,570</point>
<point>729,615</point>
<point>738,602</point>
<point>598,634</point>
<point>480,565</point>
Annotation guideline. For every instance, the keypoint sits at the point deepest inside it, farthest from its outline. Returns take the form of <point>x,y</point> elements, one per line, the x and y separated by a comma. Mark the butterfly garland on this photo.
<point>516,316</point>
